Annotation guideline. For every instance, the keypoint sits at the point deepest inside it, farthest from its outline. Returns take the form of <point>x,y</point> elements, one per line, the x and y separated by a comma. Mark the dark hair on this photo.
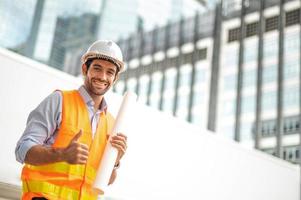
<point>90,60</point>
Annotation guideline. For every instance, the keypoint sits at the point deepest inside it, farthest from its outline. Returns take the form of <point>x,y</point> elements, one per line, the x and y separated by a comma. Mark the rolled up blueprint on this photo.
<point>110,154</point>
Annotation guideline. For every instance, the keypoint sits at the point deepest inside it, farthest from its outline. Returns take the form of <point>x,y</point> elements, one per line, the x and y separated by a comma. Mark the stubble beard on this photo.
<point>93,89</point>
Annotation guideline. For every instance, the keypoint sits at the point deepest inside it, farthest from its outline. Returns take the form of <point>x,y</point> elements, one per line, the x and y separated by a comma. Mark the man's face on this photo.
<point>100,76</point>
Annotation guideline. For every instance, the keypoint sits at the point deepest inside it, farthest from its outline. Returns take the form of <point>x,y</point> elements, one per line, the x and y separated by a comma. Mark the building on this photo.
<point>202,162</point>
<point>114,21</point>
<point>236,72</point>
<point>32,31</point>
<point>69,41</point>
<point>14,18</point>
<point>45,29</point>
<point>119,20</point>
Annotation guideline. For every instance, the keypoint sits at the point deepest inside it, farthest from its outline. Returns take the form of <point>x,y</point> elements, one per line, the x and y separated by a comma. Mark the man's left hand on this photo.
<point>119,141</point>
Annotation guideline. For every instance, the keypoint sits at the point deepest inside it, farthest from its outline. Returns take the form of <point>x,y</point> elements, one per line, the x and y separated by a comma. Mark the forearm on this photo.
<point>39,155</point>
<point>113,177</point>
<point>114,172</point>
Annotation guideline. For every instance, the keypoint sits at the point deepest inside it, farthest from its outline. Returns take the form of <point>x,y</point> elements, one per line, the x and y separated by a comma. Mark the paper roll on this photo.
<point>110,154</point>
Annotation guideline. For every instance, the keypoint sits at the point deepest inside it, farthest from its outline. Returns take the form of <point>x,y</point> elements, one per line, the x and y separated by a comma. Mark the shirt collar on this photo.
<point>89,101</point>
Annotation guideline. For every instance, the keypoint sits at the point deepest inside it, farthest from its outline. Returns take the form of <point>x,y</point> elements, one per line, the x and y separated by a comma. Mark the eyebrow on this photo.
<point>99,65</point>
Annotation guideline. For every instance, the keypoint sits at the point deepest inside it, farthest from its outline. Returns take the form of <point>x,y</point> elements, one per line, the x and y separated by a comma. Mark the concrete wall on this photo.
<point>166,158</point>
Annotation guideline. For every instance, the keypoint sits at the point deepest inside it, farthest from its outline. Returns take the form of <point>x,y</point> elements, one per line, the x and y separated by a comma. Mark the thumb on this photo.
<point>76,137</point>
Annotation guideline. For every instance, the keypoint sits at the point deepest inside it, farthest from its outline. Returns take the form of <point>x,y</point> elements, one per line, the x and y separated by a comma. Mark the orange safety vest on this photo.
<point>61,180</point>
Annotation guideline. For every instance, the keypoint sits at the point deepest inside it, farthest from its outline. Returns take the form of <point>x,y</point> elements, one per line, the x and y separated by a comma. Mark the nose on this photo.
<point>102,75</point>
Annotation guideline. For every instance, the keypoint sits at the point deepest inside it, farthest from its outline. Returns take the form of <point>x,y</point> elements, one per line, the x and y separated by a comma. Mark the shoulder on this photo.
<point>54,97</point>
<point>53,101</point>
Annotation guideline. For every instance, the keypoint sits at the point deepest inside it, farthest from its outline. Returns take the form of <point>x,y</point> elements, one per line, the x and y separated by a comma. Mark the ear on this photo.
<point>84,69</point>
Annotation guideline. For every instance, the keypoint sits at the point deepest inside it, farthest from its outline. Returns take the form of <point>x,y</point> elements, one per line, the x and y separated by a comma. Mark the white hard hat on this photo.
<point>107,50</point>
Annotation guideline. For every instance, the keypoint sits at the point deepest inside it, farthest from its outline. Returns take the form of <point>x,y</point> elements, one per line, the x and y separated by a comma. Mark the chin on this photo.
<point>99,93</point>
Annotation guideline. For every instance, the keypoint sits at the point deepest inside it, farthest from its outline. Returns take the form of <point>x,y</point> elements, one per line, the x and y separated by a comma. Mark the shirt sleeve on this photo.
<point>41,125</point>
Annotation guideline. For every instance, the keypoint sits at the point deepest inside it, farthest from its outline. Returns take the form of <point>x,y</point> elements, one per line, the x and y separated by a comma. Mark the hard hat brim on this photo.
<point>91,55</point>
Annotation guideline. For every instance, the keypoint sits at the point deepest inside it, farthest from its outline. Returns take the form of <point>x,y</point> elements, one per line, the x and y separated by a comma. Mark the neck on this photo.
<point>96,98</point>
<point>97,101</point>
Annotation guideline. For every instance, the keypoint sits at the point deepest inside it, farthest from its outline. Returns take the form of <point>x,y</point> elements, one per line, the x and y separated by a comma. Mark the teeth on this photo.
<point>100,83</point>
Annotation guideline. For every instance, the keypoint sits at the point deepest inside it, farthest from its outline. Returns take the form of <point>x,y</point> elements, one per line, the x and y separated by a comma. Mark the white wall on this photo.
<point>166,158</point>
<point>23,85</point>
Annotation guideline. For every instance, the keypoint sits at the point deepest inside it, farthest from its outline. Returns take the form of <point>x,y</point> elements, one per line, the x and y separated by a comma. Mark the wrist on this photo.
<point>59,154</point>
<point>117,165</point>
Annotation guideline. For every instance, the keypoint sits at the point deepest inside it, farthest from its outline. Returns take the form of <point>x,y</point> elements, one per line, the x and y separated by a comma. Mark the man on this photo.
<point>65,135</point>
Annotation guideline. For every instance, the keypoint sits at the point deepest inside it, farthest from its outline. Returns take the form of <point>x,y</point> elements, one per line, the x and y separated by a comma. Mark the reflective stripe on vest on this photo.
<point>51,191</point>
<point>62,180</point>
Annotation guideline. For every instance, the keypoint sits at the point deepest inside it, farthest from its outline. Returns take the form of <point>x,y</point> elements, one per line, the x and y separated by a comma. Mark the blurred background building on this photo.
<point>232,66</point>
<point>234,70</point>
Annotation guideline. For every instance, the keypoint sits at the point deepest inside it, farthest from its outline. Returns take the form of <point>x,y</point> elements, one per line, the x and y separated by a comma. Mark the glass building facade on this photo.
<point>14,18</point>
<point>41,29</point>
<point>233,71</point>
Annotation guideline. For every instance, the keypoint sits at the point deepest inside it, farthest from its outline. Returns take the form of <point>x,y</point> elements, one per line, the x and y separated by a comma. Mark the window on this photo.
<point>185,75</point>
<point>269,151</point>
<point>202,54</point>
<point>252,29</point>
<point>143,88</point>
<point>233,34</point>
<point>228,131</point>
<point>147,43</point>
<point>174,34</point>
<point>290,126</point>
<point>160,38</point>
<point>292,153</point>
<point>250,50</point>
<point>291,43</point>
<point>292,17</point>
<point>135,46</point>
<point>248,104</point>
<point>268,101</point>
<point>250,54</point>
<point>270,47</point>
<point>204,26</point>
<point>230,57</point>
<point>124,48</point>
<point>188,30</point>
<point>249,78</point>
<point>271,23</point>
<point>291,97</point>
<point>170,79</point>
<point>198,97</point>
<point>269,74</point>
<point>156,89</point>
<point>131,84</point>
<point>268,128</point>
<point>184,87</point>
<point>230,82</point>
<point>196,117</point>
<point>246,131</point>
<point>200,76</point>
<point>186,58</point>
<point>229,108</point>
<point>169,89</point>
<point>119,87</point>
<point>291,69</point>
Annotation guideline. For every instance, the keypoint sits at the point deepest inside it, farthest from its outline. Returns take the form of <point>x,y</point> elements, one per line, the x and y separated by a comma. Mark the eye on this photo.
<point>111,73</point>
<point>97,68</point>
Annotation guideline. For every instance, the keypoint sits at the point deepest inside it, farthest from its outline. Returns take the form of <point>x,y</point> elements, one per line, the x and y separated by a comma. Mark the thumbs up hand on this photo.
<point>75,152</point>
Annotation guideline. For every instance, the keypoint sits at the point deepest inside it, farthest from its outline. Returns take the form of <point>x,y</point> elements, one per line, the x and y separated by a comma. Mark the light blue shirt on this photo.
<point>44,122</point>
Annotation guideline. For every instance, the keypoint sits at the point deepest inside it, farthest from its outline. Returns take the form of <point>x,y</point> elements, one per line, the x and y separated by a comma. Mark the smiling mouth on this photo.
<point>100,83</point>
